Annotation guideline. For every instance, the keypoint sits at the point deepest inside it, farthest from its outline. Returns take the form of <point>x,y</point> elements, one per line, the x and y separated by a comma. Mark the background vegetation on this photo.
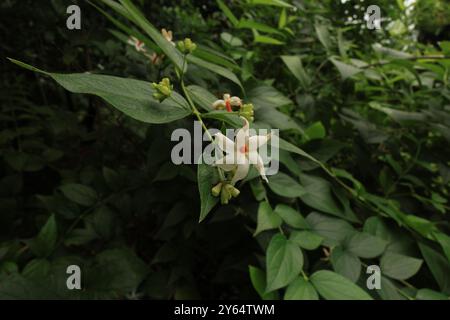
<point>364,117</point>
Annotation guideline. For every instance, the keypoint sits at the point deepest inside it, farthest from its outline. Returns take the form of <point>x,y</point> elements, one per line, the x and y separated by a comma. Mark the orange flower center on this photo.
<point>244,149</point>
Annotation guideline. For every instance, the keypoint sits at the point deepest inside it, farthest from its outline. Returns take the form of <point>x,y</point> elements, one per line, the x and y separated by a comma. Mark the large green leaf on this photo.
<point>301,289</point>
<point>132,97</point>
<point>285,186</point>
<point>291,216</point>
<point>45,241</point>
<point>346,263</point>
<point>333,230</point>
<point>284,262</point>
<point>438,265</point>
<point>267,219</point>
<point>365,245</point>
<point>318,195</point>
<point>258,279</point>
<point>306,239</point>
<point>398,266</point>
<point>80,194</point>
<point>207,177</point>
<point>333,286</point>
<point>295,65</point>
<point>216,69</point>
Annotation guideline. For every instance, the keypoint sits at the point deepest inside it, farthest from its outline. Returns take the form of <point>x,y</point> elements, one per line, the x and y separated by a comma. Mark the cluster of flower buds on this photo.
<point>247,112</point>
<point>226,192</point>
<point>186,46</point>
<point>163,89</point>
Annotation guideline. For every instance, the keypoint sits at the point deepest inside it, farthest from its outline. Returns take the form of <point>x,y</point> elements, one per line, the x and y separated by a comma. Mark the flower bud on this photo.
<point>232,190</point>
<point>186,46</point>
<point>163,89</point>
<point>247,112</point>
<point>216,190</point>
<point>225,196</point>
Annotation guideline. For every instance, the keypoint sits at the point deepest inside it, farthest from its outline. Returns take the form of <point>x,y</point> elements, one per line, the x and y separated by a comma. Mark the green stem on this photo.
<point>196,112</point>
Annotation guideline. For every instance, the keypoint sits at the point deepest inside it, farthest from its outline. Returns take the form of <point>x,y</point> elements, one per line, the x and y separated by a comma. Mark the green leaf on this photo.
<point>267,97</point>
<point>428,294</point>
<point>216,57</point>
<point>115,272</point>
<point>444,241</point>
<point>232,119</point>
<point>216,69</point>
<point>275,3</point>
<point>80,194</point>
<point>322,34</point>
<point>267,219</point>
<point>284,262</point>
<point>365,245</point>
<point>207,177</point>
<point>249,24</point>
<point>285,186</point>
<point>45,242</point>
<point>132,97</point>
<point>295,65</point>
<point>438,265</point>
<point>202,97</point>
<point>398,266</point>
<point>315,131</point>
<point>228,13</point>
<point>231,39</point>
<point>306,239</point>
<point>137,17</point>
<point>333,286</point>
<point>282,20</point>
<point>301,289</point>
<point>37,269</point>
<point>389,290</point>
<point>346,70</point>
<point>268,40</point>
<point>291,216</point>
<point>333,230</point>
<point>318,195</point>
<point>258,279</point>
<point>346,263</point>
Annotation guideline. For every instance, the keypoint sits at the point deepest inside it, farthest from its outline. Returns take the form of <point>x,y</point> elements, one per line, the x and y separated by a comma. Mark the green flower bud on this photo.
<point>232,190</point>
<point>225,196</point>
<point>186,46</point>
<point>163,89</point>
<point>247,112</point>
<point>216,190</point>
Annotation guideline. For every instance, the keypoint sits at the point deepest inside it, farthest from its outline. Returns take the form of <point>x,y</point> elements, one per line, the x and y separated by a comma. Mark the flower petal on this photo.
<point>218,103</point>
<point>254,142</point>
<point>241,172</point>
<point>260,167</point>
<point>224,143</point>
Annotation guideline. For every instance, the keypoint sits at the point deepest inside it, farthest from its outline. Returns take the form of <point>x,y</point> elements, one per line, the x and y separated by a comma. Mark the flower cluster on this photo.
<point>163,89</point>
<point>233,103</point>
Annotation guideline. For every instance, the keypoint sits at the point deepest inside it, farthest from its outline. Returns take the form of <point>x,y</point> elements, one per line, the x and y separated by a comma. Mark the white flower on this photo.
<point>167,35</point>
<point>138,44</point>
<point>241,153</point>
<point>227,102</point>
